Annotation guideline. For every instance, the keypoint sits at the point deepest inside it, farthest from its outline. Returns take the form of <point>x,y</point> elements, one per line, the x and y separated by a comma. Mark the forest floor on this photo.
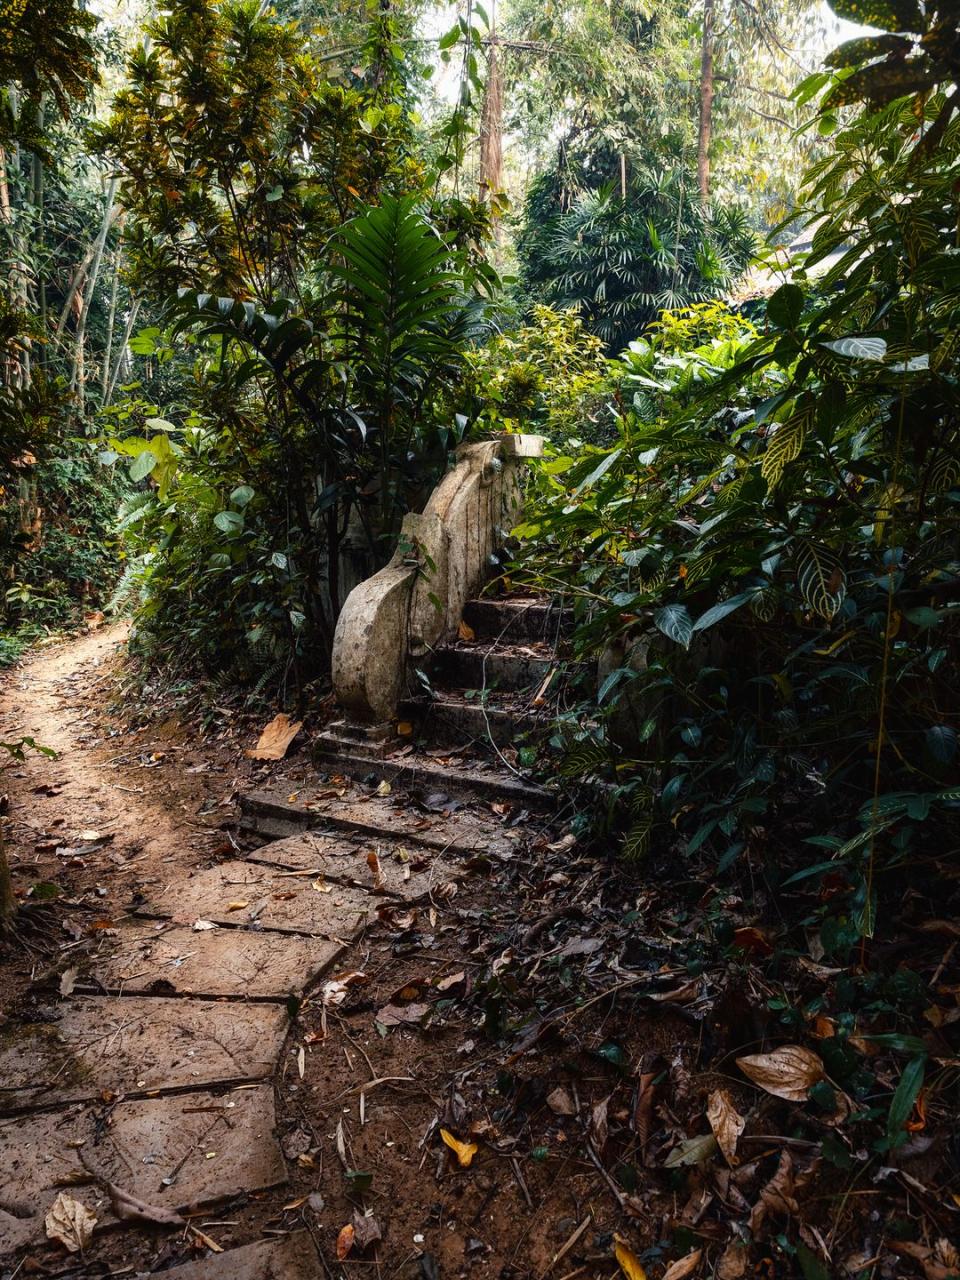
<point>522,1071</point>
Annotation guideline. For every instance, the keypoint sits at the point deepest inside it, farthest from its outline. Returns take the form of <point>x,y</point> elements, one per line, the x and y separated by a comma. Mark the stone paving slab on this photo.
<point>176,959</point>
<point>212,1147</point>
<point>293,1258</point>
<point>135,1044</point>
<point>409,872</point>
<point>242,893</point>
<point>460,833</point>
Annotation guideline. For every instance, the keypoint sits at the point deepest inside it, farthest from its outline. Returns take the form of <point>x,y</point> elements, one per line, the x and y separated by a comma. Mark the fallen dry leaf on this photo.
<point>683,1266</point>
<point>560,1102</point>
<point>70,1222</point>
<point>128,1208</point>
<point>630,1264</point>
<point>692,1151</point>
<point>335,991</point>
<point>394,1015</point>
<point>788,1072</point>
<point>466,632</point>
<point>931,1260</point>
<point>733,1263</point>
<point>726,1122</point>
<point>384,788</point>
<point>238,905</point>
<point>366,1230</point>
<point>780,1194</point>
<point>373,862</point>
<point>345,1241</point>
<point>201,926</point>
<point>68,980</point>
<point>643,1112</point>
<point>404,728</point>
<point>464,1151</point>
<point>599,1126</point>
<point>275,739</point>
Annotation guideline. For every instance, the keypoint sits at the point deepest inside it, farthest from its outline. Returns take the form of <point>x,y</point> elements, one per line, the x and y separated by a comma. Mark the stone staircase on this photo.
<point>499,682</point>
<point>480,701</point>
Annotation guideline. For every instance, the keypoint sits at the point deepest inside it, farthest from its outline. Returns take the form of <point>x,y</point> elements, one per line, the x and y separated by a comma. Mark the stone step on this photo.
<point>247,896</point>
<point>379,866</point>
<point>460,721</point>
<point>518,618</point>
<point>458,833</point>
<point>136,1045</point>
<point>160,958</point>
<point>179,1152</point>
<point>415,771</point>
<point>488,667</point>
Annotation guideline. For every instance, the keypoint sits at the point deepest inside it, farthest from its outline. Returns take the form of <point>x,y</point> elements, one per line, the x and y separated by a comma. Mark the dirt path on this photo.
<point>57,698</point>
<point>158,1055</point>
<point>279,1041</point>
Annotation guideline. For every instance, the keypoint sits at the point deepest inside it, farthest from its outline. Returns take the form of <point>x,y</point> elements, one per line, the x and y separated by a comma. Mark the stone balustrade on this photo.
<point>391,622</point>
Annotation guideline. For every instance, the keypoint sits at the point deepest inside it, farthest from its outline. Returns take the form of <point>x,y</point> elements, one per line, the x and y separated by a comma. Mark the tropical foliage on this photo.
<point>620,258</point>
<point>324,298</point>
<point>770,565</point>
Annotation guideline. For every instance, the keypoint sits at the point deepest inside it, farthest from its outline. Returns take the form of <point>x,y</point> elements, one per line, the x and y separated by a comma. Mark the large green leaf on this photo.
<point>821,578</point>
<point>675,622</point>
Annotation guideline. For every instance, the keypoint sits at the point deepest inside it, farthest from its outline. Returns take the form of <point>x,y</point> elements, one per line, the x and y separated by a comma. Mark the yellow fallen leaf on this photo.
<point>464,1151</point>
<point>466,632</point>
<point>405,728</point>
<point>238,905</point>
<point>384,788</point>
<point>629,1262</point>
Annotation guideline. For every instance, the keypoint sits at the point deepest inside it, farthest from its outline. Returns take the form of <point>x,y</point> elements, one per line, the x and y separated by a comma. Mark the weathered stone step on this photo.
<point>414,771</point>
<point>179,1152</point>
<point>245,895</point>
<point>460,721</point>
<point>159,959</point>
<point>293,1258</point>
<point>474,667</point>
<point>380,866</point>
<point>458,834</point>
<point>525,618</point>
<point>136,1045</point>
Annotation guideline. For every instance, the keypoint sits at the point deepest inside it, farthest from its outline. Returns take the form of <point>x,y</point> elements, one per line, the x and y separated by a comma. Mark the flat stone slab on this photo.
<point>134,1045</point>
<point>175,959</point>
<point>377,865</point>
<point>293,1258</point>
<point>243,893</point>
<point>459,833</point>
<point>209,1148</point>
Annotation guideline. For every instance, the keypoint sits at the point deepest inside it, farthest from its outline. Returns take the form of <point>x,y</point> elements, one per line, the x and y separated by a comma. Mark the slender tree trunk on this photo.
<point>706,102</point>
<point>77,374</point>
<point>111,319</point>
<point>39,202</point>
<point>122,352</point>
<point>8,902</point>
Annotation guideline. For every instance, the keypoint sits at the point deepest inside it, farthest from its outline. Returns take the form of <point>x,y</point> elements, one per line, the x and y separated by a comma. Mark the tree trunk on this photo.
<point>111,320</point>
<point>77,373</point>
<point>706,102</point>
<point>8,903</point>
<point>491,126</point>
